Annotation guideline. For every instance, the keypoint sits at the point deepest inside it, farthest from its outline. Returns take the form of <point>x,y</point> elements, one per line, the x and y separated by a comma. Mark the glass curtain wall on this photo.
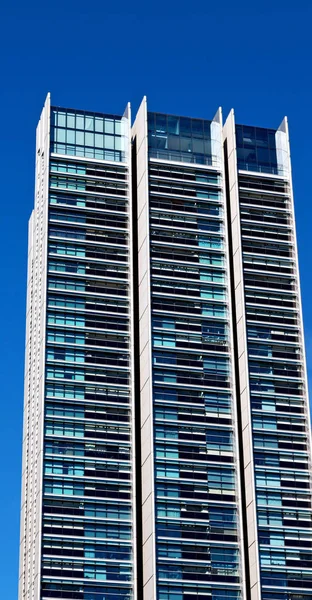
<point>277,388</point>
<point>197,550</point>
<point>273,387</point>
<point>213,288</point>
<point>87,531</point>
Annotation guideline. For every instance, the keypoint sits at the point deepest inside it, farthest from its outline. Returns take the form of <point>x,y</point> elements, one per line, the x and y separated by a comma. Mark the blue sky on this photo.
<point>253,56</point>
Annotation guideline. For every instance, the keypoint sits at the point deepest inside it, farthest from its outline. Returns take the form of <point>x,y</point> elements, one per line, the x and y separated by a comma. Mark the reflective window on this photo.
<point>256,149</point>
<point>180,138</point>
<point>87,134</point>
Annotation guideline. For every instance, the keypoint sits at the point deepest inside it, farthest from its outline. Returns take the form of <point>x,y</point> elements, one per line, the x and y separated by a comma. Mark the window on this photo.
<point>64,373</point>
<point>68,302</point>
<point>64,391</point>
<point>168,413</point>
<point>215,364</point>
<point>67,267</point>
<point>66,410</point>
<point>66,284</point>
<point>164,322</point>
<point>165,376</point>
<point>167,452</point>
<point>268,480</point>
<point>167,471</point>
<point>69,200</point>
<point>219,440</point>
<point>65,354</point>
<point>213,293</point>
<point>260,422</point>
<point>67,249</point>
<point>180,139</point>
<point>65,337</point>
<point>64,488</point>
<point>63,468</point>
<point>66,319</point>
<point>164,340</point>
<point>82,134</point>
<point>60,428</point>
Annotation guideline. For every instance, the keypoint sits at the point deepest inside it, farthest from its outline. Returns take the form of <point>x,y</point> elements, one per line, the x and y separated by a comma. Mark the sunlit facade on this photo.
<point>166,449</point>
<point>189,427</point>
<point>274,405</point>
<point>78,536</point>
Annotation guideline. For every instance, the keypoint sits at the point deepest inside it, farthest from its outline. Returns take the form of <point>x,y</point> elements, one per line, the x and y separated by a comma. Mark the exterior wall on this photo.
<point>139,134</point>
<point>180,552</point>
<point>78,501</point>
<point>272,373</point>
<point>235,384</point>
<point>29,585</point>
<point>242,358</point>
<point>126,120</point>
<point>282,142</point>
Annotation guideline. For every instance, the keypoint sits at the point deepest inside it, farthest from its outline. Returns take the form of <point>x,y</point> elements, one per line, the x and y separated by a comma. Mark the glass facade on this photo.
<point>280,427</point>
<point>256,149</point>
<point>197,550</point>
<point>166,447</point>
<point>180,139</point>
<point>87,495</point>
<point>79,133</point>
<point>273,395</point>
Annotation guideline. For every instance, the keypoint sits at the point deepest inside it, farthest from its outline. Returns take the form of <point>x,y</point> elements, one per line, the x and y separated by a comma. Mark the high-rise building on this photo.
<point>166,450</point>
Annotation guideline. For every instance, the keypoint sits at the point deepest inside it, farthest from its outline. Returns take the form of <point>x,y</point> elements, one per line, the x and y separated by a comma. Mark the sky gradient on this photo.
<point>253,56</point>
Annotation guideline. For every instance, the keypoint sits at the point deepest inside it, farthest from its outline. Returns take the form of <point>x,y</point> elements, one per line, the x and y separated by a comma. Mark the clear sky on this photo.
<point>188,58</point>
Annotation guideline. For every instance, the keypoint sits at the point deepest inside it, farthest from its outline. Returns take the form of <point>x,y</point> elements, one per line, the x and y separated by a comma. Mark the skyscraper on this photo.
<point>166,450</point>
